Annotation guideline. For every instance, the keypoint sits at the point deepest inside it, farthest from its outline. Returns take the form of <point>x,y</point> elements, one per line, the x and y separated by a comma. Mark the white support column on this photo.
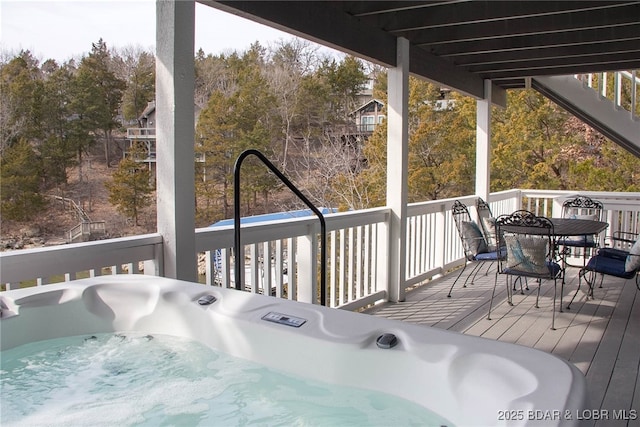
<point>175,29</point>
<point>397,165</point>
<point>483,143</point>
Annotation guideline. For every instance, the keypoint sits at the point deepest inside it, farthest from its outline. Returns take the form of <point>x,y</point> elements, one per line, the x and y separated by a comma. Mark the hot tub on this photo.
<point>467,380</point>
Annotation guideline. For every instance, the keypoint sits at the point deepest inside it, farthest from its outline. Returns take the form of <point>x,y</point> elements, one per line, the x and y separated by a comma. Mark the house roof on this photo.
<point>149,109</point>
<point>366,104</point>
<point>460,43</point>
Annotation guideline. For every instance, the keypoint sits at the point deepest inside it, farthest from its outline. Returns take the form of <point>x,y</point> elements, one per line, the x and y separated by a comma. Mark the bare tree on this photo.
<point>291,63</point>
<point>135,66</point>
<point>213,75</point>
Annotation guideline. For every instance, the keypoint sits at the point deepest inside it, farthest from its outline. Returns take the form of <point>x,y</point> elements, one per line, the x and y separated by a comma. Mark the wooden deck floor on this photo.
<point>600,336</point>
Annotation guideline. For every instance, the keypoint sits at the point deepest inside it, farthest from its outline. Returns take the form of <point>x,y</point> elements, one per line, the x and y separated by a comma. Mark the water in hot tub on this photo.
<point>135,379</point>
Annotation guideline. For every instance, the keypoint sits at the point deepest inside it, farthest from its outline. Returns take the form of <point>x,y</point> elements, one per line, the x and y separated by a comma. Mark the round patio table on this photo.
<point>564,227</point>
<point>577,227</point>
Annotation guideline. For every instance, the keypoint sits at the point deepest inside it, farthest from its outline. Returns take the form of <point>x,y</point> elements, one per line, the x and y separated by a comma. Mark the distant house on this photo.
<point>445,101</point>
<point>368,116</point>
<point>145,135</point>
<point>148,117</point>
<point>363,121</point>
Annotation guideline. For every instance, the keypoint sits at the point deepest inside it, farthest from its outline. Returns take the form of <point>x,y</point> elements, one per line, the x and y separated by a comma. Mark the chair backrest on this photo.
<point>528,239</point>
<point>483,208</point>
<point>582,207</point>
<point>487,222</point>
<point>473,241</point>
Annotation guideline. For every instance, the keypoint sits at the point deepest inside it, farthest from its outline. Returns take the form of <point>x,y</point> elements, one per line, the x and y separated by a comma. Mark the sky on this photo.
<point>66,29</point>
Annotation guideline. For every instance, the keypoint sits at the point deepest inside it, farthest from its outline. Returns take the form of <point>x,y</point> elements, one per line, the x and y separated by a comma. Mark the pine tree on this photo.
<point>531,148</point>
<point>98,94</point>
<point>228,125</point>
<point>60,145</point>
<point>130,189</point>
<point>21,86</point>
<point>20,175</point>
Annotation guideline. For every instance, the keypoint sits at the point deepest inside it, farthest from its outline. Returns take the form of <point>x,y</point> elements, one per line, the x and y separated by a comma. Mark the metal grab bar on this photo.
<point>292,187</point>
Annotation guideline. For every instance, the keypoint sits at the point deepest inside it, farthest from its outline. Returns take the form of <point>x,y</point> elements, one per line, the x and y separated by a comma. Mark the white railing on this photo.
<point>621,210</point>
<point>355,245</point>
<point>357,249</point>
<point>141,133</point>
<point>433,245</point>
<point>85,230</point>
<point>76,260</point>
<point>622,81</point>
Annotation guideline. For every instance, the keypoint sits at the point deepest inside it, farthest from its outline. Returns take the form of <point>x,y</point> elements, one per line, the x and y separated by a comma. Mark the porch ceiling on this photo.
<point>459,43</point>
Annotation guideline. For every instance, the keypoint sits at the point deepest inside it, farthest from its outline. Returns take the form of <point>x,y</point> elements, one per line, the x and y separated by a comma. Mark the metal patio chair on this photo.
<point>580,207</point>
<point>622,260</point>
<point>473,243</point>
<point>530,251</point>
<point>487,222</point>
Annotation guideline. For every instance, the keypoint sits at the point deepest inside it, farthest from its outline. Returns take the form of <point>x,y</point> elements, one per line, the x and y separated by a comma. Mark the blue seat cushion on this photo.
<point>578,241</point>
<point>553,267</point>
<point>608,265</point>
<point>613,253</point>
<point>490,256</point>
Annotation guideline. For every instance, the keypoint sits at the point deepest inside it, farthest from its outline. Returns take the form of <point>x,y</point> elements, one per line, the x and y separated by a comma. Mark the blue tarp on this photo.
<point>275,216</point>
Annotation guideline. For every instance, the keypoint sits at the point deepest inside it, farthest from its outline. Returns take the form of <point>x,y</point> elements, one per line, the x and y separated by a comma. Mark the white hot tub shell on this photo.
<point>467,380</point>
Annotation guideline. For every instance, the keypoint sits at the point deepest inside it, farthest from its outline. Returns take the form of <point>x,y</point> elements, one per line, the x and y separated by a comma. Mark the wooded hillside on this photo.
<point>64,127</point>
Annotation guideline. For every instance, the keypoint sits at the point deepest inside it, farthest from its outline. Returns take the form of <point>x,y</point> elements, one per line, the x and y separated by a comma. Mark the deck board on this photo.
<point>626,348</point>
<point>601,369</point>
<point>600,336</point>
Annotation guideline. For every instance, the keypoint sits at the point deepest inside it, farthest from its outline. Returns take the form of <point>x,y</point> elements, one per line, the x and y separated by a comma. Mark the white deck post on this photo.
<point>483,143</point>
<point>175,34</point>
<point>397,165</point>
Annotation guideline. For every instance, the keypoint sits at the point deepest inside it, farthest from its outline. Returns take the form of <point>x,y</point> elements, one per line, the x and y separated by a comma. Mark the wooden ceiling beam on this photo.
<point>326,24</point>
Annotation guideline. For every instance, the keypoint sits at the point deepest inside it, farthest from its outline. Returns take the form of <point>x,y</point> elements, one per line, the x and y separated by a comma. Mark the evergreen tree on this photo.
<point>20,175</point>
<point>59,146</point>
<point>21,86</point>
<point>231,124</point>
<point>98,94</point>
<point>214,176</point>
<point>441,144</point>
<point>130,189</point>
<point>531,148</point>
<point>345,80</point>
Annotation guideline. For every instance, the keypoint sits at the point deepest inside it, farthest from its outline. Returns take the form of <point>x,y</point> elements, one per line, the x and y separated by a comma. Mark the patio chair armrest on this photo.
<point>622,240</point>
<point>624,236</point>
<point>613,253</point>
